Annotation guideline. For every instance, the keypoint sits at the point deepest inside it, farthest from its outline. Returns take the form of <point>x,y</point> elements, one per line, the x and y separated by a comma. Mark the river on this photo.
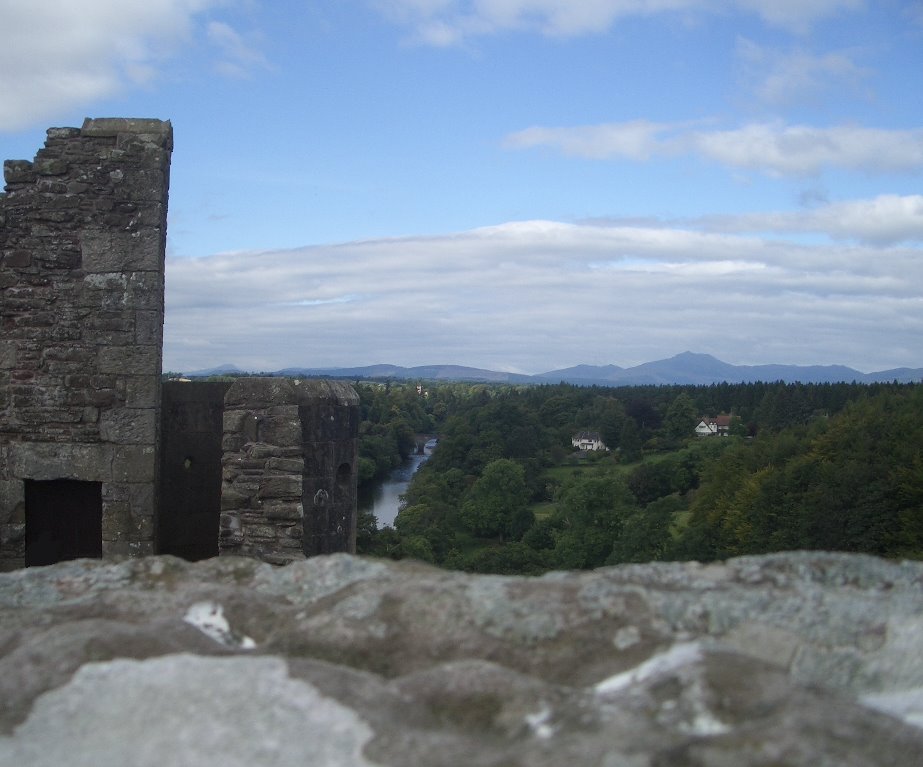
<point>384,498</point>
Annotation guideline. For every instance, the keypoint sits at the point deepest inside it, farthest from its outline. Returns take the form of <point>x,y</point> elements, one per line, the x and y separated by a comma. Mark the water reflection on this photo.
<point>384,499</point>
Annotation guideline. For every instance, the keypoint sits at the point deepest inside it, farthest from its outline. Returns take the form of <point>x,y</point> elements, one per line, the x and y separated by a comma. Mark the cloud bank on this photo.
<point>451,22</point>
<point>884,220</point>
<point>560,294</point>
<point>773,148</point>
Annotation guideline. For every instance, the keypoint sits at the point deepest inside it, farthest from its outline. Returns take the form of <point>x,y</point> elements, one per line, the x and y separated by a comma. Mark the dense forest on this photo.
<point>805,466</point>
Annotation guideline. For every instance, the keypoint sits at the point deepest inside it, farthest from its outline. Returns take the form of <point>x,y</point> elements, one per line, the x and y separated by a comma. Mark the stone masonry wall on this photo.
<point>82,239</point>
<point>289,469</point>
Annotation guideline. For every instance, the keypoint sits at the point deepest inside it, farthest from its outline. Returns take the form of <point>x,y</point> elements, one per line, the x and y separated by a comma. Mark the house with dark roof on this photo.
<point>588,440</point>
<point>714,426</point>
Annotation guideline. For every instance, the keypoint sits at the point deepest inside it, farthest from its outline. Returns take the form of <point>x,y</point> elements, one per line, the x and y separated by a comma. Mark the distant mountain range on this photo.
<point>687,368</point>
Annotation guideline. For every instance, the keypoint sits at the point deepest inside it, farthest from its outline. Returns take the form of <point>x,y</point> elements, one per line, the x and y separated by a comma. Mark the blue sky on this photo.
<point>514,184</point>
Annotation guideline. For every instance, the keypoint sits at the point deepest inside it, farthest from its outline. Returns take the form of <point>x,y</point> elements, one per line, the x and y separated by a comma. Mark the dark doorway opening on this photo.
<point>191,429</point>
<point>64,520</point>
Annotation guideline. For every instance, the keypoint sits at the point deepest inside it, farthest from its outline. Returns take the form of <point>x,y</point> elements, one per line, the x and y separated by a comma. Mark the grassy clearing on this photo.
<point>543,510</point>
<point>582,466</point>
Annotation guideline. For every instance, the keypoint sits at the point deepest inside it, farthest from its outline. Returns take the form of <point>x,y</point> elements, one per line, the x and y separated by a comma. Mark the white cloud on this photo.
<point>59,54</point>
<point>538,295</point>
<point>803,149</point>
<point>773,148</point>
<point>449,22</point>
<point>783,78</point>
<point>884,220</point>
<point>238,57</point>
<point>636,140</point>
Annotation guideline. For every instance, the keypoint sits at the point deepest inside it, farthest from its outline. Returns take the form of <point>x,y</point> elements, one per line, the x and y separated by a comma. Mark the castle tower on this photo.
<point>82,239</point>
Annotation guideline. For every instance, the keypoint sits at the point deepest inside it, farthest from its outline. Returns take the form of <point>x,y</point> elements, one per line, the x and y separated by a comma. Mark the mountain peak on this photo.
<point>684,369</point>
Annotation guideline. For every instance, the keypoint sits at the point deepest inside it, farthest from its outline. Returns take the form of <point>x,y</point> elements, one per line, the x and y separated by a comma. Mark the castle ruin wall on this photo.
<point>82,241</point>
<point>89,455</point>
<point>290,469</point>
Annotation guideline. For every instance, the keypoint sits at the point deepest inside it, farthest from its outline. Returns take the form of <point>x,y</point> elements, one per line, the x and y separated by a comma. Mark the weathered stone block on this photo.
<point>141,391</point>
<point>110,320</point>
<point>241,463</point>
<point>113,127</point>
<point>142,526</point>
<point>283,431</point>
<point>261,452</point>
<point>133,360</point>
<point>95,398</point>
<point>44,166</point>
<point>17,259</point>
<point>296,533</point>
<point>8,354</point>
<point>259,393</point>
<point>141,185</point>
<point>123,292</point>
<point>280,487</point>
<point>145,291</point>
<point>285,512</point>
<point>89,415</point>
<point>13,535</point>
<point>18,172</point>
<point>232,499</point>
<point>283,412</point>
<point>69,354</point>
<point>149,328</point>
<point>115,492</point>
<point>116,520</point>
<point>107,282</point>
<point>233,420</point>
<point>39,460</point>
<point>260,532</point>
<point>142,498</point>
<point>56,135</point>
<point>128,426</point>
<point>12,501</point>
<point>134,463</point>
<point>286,465</point>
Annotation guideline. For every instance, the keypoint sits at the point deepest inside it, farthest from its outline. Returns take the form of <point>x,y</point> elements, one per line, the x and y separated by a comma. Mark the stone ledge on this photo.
<point>105,127</point>
<point>667,664</point>
<point>18,172</point>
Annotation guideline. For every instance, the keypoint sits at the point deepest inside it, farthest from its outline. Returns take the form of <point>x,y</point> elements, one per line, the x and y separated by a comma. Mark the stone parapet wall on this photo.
<point>82,241</point>
<point>802,659</point>
<point>289,469</point>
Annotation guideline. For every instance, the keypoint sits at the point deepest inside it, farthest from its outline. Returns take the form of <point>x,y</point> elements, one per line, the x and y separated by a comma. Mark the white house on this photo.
<point>588,440</point>
<point>716,426</point>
